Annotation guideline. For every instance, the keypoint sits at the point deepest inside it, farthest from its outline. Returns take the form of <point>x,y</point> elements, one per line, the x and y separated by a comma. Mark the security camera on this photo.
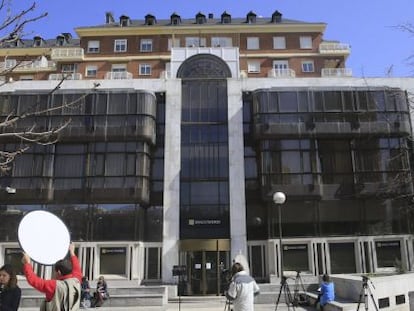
<point>10,190</point>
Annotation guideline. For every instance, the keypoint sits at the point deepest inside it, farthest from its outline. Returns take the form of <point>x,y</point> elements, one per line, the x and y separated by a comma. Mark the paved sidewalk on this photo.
<point>201,303</point>
<point>205,303</point>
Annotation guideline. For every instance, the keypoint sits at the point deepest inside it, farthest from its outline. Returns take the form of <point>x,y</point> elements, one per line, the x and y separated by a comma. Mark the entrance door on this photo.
<point>207,272</point>
<point>207,263</point>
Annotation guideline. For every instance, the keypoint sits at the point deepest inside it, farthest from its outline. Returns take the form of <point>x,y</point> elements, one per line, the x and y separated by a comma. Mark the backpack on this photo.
<point>66,298</point>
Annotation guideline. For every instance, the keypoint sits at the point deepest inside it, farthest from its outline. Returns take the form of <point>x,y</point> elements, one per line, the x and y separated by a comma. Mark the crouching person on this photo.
<point>242,289</point>
<point>62,293</point>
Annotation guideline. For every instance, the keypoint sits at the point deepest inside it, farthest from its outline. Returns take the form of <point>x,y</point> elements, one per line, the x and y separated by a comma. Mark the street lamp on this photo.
<point>279,198</point>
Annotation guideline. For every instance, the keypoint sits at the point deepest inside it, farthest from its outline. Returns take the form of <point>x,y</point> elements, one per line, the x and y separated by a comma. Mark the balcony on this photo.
<point>65,76</point>
<point>281,73</point>
<point>118,75</point>
<point>28,66</point>
<point>336,72</point>
<point>334,48</point>
<point>60,54</point>
<point>166,74</point>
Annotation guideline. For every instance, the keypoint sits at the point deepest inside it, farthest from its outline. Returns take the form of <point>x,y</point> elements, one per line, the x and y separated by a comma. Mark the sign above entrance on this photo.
<point>201,222</point>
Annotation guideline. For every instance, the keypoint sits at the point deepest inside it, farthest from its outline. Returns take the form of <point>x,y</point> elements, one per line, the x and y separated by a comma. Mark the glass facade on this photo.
<point>103,178</point>
<point>341,156</point>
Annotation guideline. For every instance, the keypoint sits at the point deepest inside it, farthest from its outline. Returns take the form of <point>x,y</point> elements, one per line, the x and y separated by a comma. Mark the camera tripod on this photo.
<point>284,287</point>
<point>299,292</point>
<point>365,290</point>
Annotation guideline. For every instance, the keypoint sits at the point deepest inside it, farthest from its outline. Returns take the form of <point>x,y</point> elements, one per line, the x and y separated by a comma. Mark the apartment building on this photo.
<point>170,165</point>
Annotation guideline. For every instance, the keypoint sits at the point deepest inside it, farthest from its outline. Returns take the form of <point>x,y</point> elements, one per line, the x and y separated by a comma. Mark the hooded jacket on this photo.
<point>242,290</point>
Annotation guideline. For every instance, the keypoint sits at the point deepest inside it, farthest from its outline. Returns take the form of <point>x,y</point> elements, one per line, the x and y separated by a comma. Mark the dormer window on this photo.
<point>150,20</point>
<point>225,18</point>
<point>37,41</point>
<point>60,40</point>
<point>276,17</point>
<point>175,19</point>
<point>124,21</point>
<point>200,18</point>
<point>251,18</point>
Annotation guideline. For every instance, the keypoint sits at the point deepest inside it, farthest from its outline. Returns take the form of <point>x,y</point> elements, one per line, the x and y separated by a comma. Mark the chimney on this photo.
<point>109,18</point>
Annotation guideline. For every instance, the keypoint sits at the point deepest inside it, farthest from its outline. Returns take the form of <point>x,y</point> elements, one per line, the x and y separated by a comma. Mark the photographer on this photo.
<point>242,289</point>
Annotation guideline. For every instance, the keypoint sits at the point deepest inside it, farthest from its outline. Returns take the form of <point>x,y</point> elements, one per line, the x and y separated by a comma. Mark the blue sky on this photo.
<point>378,48</point>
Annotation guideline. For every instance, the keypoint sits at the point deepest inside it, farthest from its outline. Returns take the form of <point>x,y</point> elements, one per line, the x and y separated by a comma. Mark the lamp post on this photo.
<point>279,198</point>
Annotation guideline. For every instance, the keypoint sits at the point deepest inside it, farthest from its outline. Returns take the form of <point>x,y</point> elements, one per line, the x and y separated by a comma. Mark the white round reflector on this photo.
<point>44,237</point>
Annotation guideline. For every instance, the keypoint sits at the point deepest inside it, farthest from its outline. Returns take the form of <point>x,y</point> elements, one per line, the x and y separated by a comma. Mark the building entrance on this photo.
<point>207,264</point>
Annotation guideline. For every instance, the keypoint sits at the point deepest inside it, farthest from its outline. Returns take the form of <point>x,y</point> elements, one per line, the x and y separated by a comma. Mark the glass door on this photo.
<point>207,272</point>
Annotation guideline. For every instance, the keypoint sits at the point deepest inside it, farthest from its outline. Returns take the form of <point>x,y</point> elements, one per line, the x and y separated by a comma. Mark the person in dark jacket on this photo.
<point>10,293</point>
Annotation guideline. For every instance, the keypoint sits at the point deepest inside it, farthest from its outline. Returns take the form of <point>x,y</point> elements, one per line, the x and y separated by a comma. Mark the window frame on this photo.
<point>279,43</point>
<point>253,66</point>
<point>143,69</point>
<point>120,45</point>
<point>146,45</point>
<point>88,69</point>
<point>305,42</point>
<point>94,46</point>
<point>252,43</point>
<point>308,66</point>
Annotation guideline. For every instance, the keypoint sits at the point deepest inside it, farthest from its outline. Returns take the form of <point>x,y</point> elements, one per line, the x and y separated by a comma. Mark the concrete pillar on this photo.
<point>172,159</point>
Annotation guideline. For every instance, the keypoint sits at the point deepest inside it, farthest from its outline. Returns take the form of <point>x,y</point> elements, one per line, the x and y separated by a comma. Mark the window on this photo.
<point>307,66</point>
<point>173,43</point>
<point>279,43</point>
<point>195,42</point>
<point>120,45</point>
<point>10,63</point>
<point>253,43</point>
<point>280,64</point>
<point>69,68</point>
<point>146,45</point>
<point>305,42</point>
<point>26,78</point>
<point>144,69</point>
<point>93,46</point>
<point>221,42</point>
<point>91,71</point>
<point>253,67</point>
<point>118,68</point>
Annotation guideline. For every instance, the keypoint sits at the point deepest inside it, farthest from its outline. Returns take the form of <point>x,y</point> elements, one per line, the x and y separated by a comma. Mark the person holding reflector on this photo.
<point>45,239</point>
<point>64,290</point>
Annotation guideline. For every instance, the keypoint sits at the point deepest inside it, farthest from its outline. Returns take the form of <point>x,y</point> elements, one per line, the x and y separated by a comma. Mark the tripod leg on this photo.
<point>373,300</point>
<point>278,297</point>
<point>289,298</point>
<point>360,297</point>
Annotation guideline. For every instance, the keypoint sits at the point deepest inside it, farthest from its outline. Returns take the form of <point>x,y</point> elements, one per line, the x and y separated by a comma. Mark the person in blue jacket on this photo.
<point>327,291</point>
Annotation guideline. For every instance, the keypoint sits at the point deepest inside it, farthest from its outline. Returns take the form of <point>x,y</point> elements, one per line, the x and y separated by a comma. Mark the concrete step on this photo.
<point>119,297</point>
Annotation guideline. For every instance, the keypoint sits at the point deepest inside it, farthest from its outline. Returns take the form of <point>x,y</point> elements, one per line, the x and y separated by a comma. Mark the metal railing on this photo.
<point>281,73</point>
<point>336,72</point>
<point>331,47</point>
<point>67,53</point>
<point>65,76</point>
<point>118,75</point>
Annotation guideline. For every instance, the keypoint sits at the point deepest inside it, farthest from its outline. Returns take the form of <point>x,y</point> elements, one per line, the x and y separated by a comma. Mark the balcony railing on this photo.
<point>336,72</point>
<point>65,76</point>
<point>281,73</point>
<point>27,66</point>
<point>166,74</point>
<point>334,48</point>
<point>118,75</point>
<point>67,54</point>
